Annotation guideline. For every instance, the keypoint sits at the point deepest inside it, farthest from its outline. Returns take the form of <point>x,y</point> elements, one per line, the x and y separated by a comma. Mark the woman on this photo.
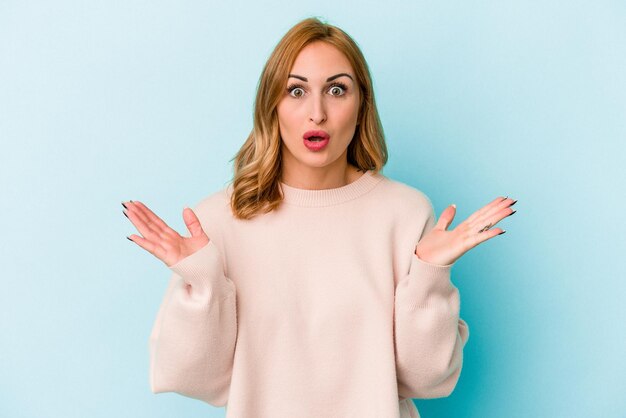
<point>313,285</point>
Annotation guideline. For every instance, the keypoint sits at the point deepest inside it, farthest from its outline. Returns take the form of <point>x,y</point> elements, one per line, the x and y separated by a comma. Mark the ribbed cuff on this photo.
<point>203,268</point>
<point>426,283</point>
<point>431,270</point>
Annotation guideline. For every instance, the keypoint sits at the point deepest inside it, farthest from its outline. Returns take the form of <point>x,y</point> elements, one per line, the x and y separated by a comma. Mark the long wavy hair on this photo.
<point>258,163</point>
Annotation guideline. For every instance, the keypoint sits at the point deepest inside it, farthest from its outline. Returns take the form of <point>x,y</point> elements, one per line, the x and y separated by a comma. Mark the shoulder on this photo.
<point>213,211</point>
<point>406,199</point>
<point>215,205</point>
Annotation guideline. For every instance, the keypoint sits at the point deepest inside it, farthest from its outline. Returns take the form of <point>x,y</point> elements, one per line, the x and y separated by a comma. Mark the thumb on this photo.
<point>446,217</point>
<point>192,222</point>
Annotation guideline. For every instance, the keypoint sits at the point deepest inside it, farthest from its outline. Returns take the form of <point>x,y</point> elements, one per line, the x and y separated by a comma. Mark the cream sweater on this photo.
<point>319,309</point>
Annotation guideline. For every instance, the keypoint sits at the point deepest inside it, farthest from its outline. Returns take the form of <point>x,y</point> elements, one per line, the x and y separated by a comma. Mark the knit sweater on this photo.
<point>318,309</point>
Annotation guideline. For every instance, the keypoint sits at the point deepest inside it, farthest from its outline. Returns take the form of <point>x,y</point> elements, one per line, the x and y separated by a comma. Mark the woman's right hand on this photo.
<point>159,239</point>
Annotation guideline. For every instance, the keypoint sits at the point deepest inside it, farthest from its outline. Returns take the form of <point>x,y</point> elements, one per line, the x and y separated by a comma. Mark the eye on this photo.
<point>336,89</point>
<point>338,86</point>
<point>294,88</point>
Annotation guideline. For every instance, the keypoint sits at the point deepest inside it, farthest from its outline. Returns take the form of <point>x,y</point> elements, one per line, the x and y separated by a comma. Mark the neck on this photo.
<point>319,178</point>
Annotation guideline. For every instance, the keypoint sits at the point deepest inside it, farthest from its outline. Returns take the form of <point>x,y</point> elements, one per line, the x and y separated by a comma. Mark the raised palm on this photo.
<point>159,239</point>
<point>442,246</point>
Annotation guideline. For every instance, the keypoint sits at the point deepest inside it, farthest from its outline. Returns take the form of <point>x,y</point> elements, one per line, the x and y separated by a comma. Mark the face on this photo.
<point>321,93</point>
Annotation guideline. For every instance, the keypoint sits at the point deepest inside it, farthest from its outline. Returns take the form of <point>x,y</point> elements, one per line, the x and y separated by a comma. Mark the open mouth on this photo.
<point>316,135</point>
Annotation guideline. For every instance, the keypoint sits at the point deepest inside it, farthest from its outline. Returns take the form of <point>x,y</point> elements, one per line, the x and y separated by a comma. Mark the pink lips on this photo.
<point>316,145</point>
<point>321,134</point>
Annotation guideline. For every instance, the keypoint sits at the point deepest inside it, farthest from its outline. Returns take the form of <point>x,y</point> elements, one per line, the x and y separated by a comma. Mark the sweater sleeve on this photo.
<point>429,334</point>
<point>192,342</point>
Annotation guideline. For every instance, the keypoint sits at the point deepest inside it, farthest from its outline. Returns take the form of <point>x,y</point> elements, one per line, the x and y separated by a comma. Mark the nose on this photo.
<point>318,111</point>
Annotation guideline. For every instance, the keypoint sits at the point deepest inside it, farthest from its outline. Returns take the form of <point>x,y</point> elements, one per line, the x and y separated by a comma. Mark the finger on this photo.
<point>484,236</point>
<point>151,247</point>
<point>151,217</point>
<point>479,213</point>
<point>497,208</point>
<point>152,222</point>
<point>494,219</point>
<point>141,225</point>
<point>446,217</point>
<point>139,214</point>
<point>490,220</point>
<point>192,222</point>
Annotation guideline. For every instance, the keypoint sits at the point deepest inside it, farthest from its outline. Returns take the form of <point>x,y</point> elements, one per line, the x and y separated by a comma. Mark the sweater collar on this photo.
<point>328,197</point>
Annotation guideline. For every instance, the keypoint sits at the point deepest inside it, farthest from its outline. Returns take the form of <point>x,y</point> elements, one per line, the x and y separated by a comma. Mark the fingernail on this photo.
<point>513,212</point>
<point>503,231</point>
<point>125,214</point>
<point>513,203</point>
<point>453,205</point>
<point>128,238</point>
<point>124,205</point>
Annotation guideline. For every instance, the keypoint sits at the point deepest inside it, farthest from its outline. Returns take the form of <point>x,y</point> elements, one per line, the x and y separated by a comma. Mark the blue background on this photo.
<point>149,100</point>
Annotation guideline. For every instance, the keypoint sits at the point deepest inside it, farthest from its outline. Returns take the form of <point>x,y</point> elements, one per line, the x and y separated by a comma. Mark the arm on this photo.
<point>429,335</point>
<point>192,342</point>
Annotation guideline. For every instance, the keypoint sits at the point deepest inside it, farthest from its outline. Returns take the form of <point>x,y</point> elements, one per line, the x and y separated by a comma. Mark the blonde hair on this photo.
<point>258,163</point>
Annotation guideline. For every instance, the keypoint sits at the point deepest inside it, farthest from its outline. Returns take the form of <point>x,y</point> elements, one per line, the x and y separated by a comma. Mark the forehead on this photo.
<point>320,59</point>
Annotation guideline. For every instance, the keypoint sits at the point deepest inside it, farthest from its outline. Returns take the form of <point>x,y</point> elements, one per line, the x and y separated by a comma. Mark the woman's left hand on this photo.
<point>443,247</point>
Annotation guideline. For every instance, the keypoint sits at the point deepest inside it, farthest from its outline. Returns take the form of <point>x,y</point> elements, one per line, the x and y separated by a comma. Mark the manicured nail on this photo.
<point>453,205</point>
<point>124,205</point>
<point>129,239</point>
<point>513,212</point>
<point>503,231</point>
<point>125,214</point>
<point>513,203</point>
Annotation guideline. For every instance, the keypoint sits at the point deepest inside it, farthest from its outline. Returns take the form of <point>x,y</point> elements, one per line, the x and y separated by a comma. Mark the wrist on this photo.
<point>432,260</point>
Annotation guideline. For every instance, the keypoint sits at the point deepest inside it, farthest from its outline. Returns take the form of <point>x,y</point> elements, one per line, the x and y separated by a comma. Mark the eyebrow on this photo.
<point>328,79</point>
